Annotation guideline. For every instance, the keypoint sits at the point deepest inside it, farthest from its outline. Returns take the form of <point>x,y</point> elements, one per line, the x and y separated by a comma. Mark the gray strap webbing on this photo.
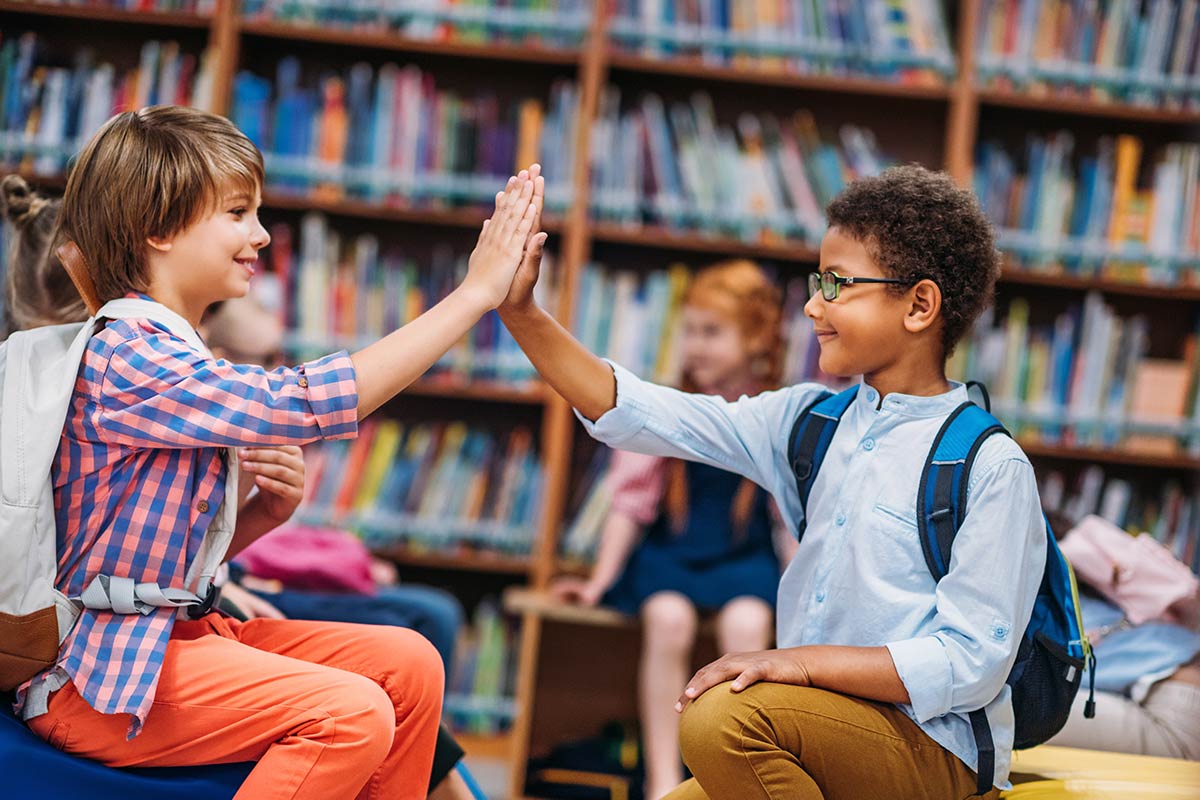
<point>124,596</point>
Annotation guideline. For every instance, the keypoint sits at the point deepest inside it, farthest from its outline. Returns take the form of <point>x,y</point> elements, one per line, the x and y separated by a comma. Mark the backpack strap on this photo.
<point>809,442</point>
<point>942,495</point>
<point>941,508</point>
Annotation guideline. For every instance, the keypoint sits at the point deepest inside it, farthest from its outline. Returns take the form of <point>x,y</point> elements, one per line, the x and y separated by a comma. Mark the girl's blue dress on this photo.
<point>706,562</point>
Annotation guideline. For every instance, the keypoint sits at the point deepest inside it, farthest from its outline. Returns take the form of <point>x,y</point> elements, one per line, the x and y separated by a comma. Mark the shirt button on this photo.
<point>821,597</point>
<point>869,444</point>
<point>871,395</point>
<point>303,382</point>
<point>840,520</point>
<point>202,506</point>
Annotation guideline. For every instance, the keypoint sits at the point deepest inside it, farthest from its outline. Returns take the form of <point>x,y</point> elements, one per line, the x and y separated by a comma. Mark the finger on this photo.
<point>715,673</point>
<point>483,232</point>
<point>525,226</point>
<point>514,213</point>
<point>520,219</point>
<point>277,487</point>
<point>750,675</point>
<point>279,472</point>
<point>274,455</point>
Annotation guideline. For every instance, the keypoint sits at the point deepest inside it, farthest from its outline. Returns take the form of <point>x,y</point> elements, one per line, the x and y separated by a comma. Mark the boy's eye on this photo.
<point>237,212</point>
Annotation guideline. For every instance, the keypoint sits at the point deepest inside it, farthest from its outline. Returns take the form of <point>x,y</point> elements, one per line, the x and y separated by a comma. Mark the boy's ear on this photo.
<point>160,243</point>
<point>926,306</point>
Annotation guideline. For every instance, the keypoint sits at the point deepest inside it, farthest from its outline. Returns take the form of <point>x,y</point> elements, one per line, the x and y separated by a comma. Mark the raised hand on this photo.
<point>520,294</point>
<point>502,240</point>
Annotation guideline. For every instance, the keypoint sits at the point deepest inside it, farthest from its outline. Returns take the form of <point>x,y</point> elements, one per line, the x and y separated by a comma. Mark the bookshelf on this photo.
<point>945,120</point>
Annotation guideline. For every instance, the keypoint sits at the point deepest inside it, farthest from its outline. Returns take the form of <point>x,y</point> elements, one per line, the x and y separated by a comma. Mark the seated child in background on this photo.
<point>878,665</point>
<point>242,331</point>
<point>1147,667</point>
<point>163,205</point>
<point>708,533</point>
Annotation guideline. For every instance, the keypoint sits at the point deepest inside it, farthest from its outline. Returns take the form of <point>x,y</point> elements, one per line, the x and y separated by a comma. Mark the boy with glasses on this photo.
<point>878,665</point>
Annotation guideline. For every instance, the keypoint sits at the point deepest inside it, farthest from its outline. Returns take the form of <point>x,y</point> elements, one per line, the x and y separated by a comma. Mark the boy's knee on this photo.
<point>363,716</point>
<point>413,664</point>
<point>720,722</point>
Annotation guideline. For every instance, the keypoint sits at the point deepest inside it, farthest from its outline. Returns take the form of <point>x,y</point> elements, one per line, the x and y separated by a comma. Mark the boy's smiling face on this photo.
<point>863,331</point>
<point>215,257</point>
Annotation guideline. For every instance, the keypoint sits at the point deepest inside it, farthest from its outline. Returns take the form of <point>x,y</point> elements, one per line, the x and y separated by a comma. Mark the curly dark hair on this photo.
<point>918,224</point>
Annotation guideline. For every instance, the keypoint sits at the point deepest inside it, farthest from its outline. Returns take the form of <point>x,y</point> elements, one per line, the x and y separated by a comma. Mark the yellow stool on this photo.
<point>1064,773</point>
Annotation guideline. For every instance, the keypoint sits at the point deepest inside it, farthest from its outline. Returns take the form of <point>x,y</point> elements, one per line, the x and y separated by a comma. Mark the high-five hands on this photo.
<point>503,241</point>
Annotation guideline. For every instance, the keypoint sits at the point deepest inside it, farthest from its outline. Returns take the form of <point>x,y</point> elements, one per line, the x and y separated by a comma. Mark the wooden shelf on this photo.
<point>1019,277</point>
<point>1133,458</point>
<point>479,390</point>
<point>1088,108</point>
<point>497,746</point>
<point>457,217</point>
<point>696,69</point>
<point>168,19</point>
<point>375,39</point>
<point>700,242</point>
<point>474,561</point>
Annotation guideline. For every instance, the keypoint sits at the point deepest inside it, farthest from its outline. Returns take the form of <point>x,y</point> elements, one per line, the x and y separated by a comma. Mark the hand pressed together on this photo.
<point>502,242</point>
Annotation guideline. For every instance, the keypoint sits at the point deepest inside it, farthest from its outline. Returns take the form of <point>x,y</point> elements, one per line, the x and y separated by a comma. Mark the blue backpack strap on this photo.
<point>809,442</point>
<point>942,496</point>
<point>941,508</point>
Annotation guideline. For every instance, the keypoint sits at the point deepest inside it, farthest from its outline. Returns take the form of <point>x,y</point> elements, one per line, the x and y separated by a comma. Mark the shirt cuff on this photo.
<point>627,418</point>
<point>332,394</point>
<point>925,672</point>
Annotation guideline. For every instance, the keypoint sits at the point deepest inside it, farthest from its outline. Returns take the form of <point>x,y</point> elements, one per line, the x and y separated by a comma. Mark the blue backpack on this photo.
<point>1054,650</point>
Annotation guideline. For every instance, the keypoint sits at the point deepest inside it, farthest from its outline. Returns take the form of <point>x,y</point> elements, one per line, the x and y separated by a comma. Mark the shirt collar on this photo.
<point>136,305</point>
<point>912,405</point>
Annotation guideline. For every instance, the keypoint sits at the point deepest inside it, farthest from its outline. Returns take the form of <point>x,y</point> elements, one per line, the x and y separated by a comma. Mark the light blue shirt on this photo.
<point>859,577</point>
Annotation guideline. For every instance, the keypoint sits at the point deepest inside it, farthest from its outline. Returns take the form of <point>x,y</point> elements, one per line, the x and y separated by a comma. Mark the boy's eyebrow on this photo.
<point>238,197</point>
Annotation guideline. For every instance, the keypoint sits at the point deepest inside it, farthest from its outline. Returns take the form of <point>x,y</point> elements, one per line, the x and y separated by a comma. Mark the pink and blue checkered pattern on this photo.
<point>140,474</point>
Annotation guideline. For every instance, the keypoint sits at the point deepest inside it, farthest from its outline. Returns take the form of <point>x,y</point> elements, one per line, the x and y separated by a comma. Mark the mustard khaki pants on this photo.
<point>779,742</point>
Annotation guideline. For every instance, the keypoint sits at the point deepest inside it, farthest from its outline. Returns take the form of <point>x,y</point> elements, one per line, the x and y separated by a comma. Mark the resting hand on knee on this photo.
<point>745,669</point>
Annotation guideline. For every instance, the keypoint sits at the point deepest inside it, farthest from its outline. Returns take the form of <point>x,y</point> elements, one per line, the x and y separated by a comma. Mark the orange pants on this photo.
<point>328,710</point>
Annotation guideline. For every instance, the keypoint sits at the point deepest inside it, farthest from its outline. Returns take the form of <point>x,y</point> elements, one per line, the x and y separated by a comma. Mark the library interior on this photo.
<point>690,151</point>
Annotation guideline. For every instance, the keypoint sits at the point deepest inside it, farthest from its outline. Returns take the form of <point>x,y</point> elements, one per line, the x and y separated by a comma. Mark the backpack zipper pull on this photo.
<point>1089,708</point>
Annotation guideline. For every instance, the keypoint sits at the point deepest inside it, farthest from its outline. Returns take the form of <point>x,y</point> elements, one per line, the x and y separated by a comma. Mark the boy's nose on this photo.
<point>261,238</point>
<point>814,307</point>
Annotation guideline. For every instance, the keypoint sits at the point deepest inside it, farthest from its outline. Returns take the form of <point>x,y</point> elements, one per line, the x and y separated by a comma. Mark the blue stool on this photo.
<point>34,770</point>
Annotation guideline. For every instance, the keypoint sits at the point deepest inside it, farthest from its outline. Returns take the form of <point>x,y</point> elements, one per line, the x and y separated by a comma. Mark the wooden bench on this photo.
<point>1046,773</point>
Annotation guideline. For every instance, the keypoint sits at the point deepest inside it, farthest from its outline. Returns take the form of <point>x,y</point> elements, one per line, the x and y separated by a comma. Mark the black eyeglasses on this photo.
<point>830,284</point>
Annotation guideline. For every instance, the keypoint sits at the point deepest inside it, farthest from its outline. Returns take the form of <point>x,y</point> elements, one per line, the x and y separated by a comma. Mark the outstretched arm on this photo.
<point>383,369</point>
<point>586,382</point>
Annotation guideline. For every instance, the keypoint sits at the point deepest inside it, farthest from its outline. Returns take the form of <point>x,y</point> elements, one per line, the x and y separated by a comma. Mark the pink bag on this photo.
<point>316,559</point>
<point>1135,572</point>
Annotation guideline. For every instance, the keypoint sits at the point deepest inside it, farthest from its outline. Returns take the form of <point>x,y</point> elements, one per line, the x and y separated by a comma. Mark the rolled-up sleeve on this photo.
<point>159,392</point>
<point>747,436</point>
<point>985,601</point>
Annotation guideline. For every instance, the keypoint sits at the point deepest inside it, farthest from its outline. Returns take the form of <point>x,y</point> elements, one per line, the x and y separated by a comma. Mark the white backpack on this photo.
<point>38,370</point>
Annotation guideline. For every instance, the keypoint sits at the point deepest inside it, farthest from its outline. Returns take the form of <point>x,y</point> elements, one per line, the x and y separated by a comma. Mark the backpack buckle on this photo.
<point>802,469</point>
<point>206,605</point>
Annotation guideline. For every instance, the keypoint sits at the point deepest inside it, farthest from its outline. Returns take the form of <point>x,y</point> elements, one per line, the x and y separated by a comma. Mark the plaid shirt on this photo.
<point>140,474</point>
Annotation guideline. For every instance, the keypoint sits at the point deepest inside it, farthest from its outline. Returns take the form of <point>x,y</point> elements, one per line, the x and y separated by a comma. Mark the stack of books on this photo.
<point>1141,52</point>
<point>1089,214</point>
<point>674,164</point>
<point>897,40</point>
<point>481,689</point>
<point>443,487</point>
<point>199,7</point>
<point>1170,512</point>
<point>346,292</point>
<point>392,136</point>
<point>49,112</point>
<point>550,23</point>
<point>1086,379</point>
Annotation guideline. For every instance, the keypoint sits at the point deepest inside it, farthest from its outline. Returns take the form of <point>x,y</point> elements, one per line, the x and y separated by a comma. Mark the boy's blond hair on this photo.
<point>150,173</point>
